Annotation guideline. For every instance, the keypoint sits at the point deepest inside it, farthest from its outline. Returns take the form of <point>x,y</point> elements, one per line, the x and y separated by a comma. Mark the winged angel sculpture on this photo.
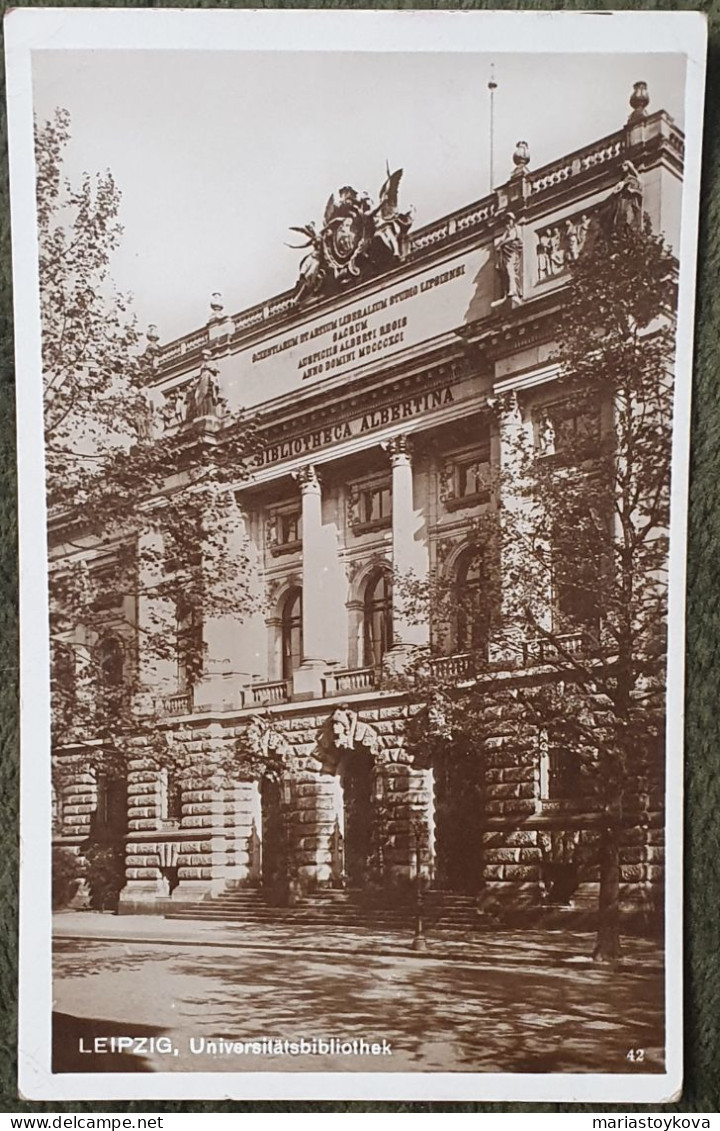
<point>356,237</point>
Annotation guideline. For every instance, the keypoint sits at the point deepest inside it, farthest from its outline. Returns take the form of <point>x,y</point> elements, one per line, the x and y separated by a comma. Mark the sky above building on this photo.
<point>218,153</point>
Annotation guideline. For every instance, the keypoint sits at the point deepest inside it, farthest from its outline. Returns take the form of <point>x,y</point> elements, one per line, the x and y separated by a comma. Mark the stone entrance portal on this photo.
<point>458,821</point>
<point>273,854</point>
<point>356,777</point>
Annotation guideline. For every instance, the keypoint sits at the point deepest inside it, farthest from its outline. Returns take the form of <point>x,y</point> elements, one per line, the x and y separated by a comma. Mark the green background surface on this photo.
<point>702,777</point>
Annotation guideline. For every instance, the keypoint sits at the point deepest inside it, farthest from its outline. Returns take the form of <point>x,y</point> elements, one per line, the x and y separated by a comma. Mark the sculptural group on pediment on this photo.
<point>561,245</point>
<point>356,237</point>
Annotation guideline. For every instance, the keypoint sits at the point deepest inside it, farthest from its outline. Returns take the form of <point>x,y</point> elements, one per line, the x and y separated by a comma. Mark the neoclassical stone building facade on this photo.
<point>387,387</point>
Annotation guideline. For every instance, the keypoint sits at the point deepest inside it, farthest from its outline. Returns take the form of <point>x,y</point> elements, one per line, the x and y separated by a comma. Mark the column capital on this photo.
<point>505,404</point>
<point>398,448</point>
<point>308,479</point>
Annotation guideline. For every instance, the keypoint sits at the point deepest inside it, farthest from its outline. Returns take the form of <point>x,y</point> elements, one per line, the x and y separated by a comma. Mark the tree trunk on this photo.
<point>607,943</point>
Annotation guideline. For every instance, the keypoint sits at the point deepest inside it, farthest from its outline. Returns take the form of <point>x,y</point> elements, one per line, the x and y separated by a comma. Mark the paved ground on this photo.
<point>501,1001</point>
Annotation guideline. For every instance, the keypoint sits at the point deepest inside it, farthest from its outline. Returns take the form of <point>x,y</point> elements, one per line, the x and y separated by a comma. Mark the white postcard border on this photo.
<point>28,30</point>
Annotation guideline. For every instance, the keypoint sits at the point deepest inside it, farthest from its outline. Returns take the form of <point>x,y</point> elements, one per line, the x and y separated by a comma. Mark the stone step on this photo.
<point>268,917</point>
<point>233,901</point>
<point>294,915</point>
<point>342,908</point>
<point>405,924</point>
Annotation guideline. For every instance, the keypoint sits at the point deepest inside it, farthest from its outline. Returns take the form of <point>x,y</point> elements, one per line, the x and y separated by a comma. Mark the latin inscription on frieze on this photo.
<point>357,335</point>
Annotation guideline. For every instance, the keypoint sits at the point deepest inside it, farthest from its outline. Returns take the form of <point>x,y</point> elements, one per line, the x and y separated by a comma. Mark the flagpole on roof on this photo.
<point>492,87</point>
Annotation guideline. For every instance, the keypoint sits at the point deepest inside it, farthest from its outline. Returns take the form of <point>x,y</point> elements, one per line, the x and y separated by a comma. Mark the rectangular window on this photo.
<point>466,477</point>
<point>289,528</point>
<point>111,804</point>
<point>473,478</point>
<point>565,771</point>
<point>170,797</point>
<point>578,429</point>
<point>283,529</point>
<point>579,543</point>
<point>377,504</point>
<point>190,646</point>
<point>570,431</point>
<point>370,506</point>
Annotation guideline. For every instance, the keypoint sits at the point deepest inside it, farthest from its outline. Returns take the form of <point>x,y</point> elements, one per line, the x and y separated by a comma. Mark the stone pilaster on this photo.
<point>409,544</point>
<point>518,525</point>
<point>312,814</point>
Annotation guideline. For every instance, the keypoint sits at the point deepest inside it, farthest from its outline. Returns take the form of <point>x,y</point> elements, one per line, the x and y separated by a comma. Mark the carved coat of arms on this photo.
<point>356,237</point>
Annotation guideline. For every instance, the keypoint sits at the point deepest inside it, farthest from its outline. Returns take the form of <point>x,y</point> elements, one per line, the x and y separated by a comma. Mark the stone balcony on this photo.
<point>460,667</point>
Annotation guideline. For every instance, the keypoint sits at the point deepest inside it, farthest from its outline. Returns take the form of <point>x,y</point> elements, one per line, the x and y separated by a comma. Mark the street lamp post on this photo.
<point>419,942</point>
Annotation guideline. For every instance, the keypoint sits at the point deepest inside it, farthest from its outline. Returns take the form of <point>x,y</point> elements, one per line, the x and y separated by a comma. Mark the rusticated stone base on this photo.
<point>351,808</point>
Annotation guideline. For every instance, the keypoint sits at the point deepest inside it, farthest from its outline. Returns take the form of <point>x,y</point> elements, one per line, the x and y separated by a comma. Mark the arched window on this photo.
<point>377,618</point>
<point>63,685</point>
<point>471,602</point>
<point>292,633</point>
<point>170,796</point>
<point>111,807</point>
<point>111,659</point>
<point>189,644</point>
<point>111,671</point>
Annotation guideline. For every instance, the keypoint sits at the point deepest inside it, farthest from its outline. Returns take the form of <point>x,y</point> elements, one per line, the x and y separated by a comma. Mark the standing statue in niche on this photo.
<point>544,250</point>
<point>557,252</point>
<point>203,398</point>
<point>582,233</point>
<point>546,436</point>
<point>624,207</point>
<point>509,259</point>
<point>572,242</point>
<point>145,418</point>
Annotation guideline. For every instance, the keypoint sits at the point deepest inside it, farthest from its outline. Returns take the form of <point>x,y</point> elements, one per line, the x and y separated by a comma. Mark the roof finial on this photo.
<point>521,159</point>
<point>639,101</point>
<point>217,306</point>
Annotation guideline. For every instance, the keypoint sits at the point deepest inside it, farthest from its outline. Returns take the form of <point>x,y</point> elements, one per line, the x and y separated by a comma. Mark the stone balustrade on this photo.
<point>349,680</point>
<point>451,228</point>
<point>179,704</point>
<point>460,666</point>
<point>543,651</point>
<point>266,694</point>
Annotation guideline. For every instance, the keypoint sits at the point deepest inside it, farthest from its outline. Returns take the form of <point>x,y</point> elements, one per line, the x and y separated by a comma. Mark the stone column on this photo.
<point>519,524</point>
<point>409,545</point>
<point>307,679</point>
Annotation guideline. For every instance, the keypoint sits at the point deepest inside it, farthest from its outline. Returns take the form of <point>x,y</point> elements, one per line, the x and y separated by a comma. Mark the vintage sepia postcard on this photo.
<point>353,370</point>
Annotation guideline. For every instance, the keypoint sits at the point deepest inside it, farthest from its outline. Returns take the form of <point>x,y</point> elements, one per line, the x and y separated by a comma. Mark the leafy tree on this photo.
<point>140,508</point>
<point>577,558</point>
